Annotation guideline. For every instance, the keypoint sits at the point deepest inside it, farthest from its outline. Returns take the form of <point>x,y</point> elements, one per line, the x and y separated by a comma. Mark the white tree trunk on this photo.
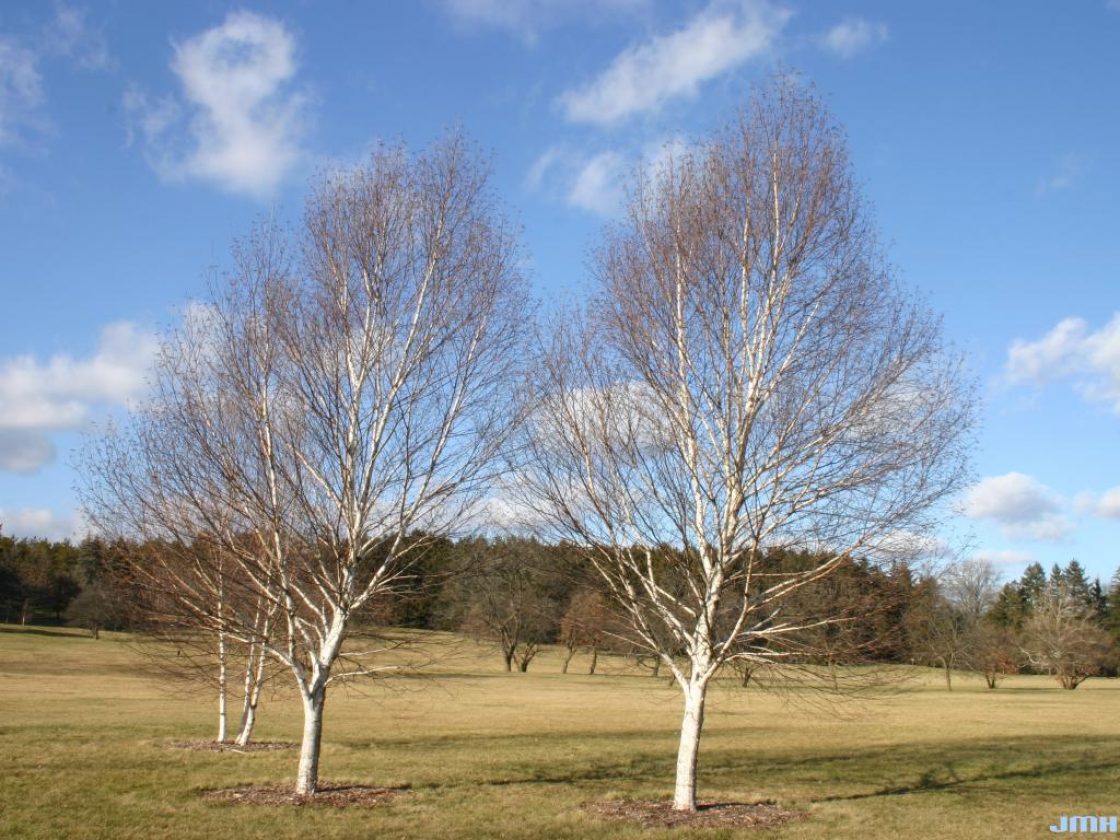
<point>307,780</point>
<point>684,794</point>
<point>223,717</point>
<point>248,721</point>
<point>254,676</point>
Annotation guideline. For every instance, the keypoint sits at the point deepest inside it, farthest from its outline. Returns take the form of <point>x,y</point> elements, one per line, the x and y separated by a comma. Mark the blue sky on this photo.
<point>137,139</point>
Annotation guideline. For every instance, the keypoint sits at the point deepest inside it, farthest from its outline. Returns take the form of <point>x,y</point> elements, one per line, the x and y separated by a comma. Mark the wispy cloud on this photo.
<point>1068,170</point>
<point>528,19</point>
<point>1071,350</point>
<point>852,36</point>
<point>589,182</point>
<point>545,163</point>
<point>21,90</point>
<point>595,182</point>
<point>69,35</point>
<point>662,155</point>
<point>40,397</point>
<point>1023,507</point>
<point>645,76</point>
<point>598,184</point>
<point>243,121</point>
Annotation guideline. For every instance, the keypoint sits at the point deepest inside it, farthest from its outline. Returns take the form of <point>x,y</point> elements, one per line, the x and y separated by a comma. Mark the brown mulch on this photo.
<point>660,814</point>
<point>251,747</point>
<point>330,796</point>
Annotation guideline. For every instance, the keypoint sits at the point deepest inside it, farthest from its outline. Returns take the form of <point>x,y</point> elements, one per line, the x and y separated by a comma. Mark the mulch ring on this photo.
<point>251,747</point>
<point>330,796</point>
<point>660,814</point>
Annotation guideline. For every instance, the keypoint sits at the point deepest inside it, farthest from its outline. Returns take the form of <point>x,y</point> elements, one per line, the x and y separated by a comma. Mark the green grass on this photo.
<point>85,729</point>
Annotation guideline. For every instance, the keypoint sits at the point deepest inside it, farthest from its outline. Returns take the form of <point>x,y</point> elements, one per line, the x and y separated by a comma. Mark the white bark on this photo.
<point>684,792</point>
<point>307,778</point>
<point>314,694</point>
<point>749,380</point>
<point>329,412</point>
<point>248,721</point>
<point>223,715</point>
<point>255,663</point>
<point>254,677</point>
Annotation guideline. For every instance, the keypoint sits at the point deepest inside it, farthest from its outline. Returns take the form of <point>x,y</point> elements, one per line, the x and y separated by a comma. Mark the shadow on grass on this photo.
<point>1007,763</point>
<point>68,632</point>
<point>1013,765</point>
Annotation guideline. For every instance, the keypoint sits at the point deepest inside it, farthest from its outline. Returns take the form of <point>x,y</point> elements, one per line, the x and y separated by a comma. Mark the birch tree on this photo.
<point>749,375</point>
<point>346,387</point>
<point>190,639</point>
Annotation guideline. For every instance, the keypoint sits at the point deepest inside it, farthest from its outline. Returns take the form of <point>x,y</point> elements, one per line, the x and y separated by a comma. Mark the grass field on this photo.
<point>86,733</point>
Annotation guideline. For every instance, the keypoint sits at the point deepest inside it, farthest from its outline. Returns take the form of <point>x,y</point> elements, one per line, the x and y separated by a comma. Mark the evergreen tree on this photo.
<point>1099,601</point>
<point>1077,584</point>
<point>1010,608</point>
<point>1112,622</point>
<point>1032,585</point>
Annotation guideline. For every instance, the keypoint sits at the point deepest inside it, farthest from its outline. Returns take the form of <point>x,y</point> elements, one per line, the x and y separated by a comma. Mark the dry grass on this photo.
<point>85,729</point>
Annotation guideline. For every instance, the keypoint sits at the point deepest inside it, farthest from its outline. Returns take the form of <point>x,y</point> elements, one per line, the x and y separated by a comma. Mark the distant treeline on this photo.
<point>521,594</point>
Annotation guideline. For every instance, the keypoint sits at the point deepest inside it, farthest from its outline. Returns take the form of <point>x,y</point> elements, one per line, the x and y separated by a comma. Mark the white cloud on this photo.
<point>1023,507</point>
<point>853,36</point>
<point>1071,351</point>
<point>21,90</point>
<point>25,450</point>
<point>58,393</point>
<point>506,514</point>
<point>42,523</point>
<point>1055,355</point>
<point>70,36</point>
<point>527,19</point>
<point>597,187</point>
<point>589,182</point>
<point>1003,557</point>
<point>659,156</point>
<point>1066,173</point>
<point>38,397</point>
<point>595,182</point>
<point>1108,506</point>
<point>245,124</point>
<point>646,76</point>
<point>907,546</point>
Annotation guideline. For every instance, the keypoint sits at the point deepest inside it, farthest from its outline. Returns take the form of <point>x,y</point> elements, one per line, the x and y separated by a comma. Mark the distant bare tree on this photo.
<point>945,620</point>
<point>585,624</point>
<point>328,402</point>
<point>93,608</point>
<point>501,594</point>
<point>990,650</point>
<point>971,586</point>
<point>936,631</point>
<point>748,376</point>
<point>1062,638</point>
